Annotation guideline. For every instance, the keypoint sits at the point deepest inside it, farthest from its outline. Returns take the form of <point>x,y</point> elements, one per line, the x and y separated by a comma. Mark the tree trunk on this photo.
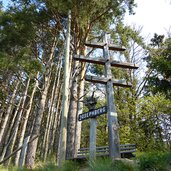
<point>2,109</point>
<point>80,110</point>
<point>18,120</point>
<point>56,103</point>
<point>31,152</point>
<point>23,129</point>
<point>7,115</point>
<point>56,127</point>
<point>36,129</point>
<point>49,121</point>
<point>71,124</point>
<point>8,139</point>
<point>23,152</point>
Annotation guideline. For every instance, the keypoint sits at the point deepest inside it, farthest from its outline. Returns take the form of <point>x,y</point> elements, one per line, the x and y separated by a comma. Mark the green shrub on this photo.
<point>155,161</point>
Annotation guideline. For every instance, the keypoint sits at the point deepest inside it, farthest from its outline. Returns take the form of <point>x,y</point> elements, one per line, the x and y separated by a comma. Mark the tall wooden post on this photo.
<point>63,129</point>
<point>91,105</point>
<point>93,123</point>
<point>114,143</point>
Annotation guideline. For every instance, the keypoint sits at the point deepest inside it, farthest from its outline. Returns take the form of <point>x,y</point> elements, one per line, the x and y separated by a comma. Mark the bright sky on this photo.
<point>153,15</point>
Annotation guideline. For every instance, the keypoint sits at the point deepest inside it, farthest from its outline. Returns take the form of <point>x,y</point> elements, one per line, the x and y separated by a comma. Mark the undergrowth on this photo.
<point>152,161</point>
<point>155,161</point>
<point>107,164</point>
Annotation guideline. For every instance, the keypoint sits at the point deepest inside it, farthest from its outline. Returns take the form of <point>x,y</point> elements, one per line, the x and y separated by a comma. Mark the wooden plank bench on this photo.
<point>126,150</point>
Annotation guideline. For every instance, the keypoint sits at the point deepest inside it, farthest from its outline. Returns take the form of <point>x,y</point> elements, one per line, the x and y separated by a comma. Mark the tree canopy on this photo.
<point>159,65</point>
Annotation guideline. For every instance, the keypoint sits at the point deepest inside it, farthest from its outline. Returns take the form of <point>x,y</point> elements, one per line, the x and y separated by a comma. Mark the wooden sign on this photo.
<point>93,113</point>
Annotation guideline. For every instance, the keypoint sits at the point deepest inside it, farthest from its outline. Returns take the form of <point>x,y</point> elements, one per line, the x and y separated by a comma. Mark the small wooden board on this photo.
<point>102,80</point>
<point>101,46</point>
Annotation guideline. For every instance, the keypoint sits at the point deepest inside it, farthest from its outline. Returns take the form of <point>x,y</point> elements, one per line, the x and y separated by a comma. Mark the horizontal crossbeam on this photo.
<point>102,80</point>
<point>102,61</point>
<point>101,46</point>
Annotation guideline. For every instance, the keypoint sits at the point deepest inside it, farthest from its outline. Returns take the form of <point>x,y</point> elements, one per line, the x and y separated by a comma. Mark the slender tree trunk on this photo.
<point>9,138</point>
<point>31,152</point>
<point>58,134</point>
<point>80,110</point>
<point>23,130</point>
<point>7,115</point>
<point>56,103</point>
<point>49,120</point>
<point>18,120</point>
<point>80,105</point>
<point>23,152</point>
<point>56,127</point>
<point>36,129</point>
<point>71,124</point>
<point>2,112</point>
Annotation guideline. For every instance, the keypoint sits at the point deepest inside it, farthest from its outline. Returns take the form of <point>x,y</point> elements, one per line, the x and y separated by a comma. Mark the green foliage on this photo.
<point>157,161</point>
<point>85,134</point>
<point>102,130</point>
<point>97,69</point>
<point>17,34</point>
<point>152,117</point>
<point>127,34</point>
<point>159,65</point>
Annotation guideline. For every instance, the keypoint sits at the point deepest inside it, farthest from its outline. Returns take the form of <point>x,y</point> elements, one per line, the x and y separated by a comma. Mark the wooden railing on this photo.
<point>126,150</point>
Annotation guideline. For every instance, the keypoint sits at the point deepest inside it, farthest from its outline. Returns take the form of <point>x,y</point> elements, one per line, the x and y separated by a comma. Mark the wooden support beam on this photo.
<point>124,65</point>
<point>101,46</point>
<point>102,61</point>
<point>89,60</point>
<point>121,83</point>
<point>116,48</point>
<point>95,79</point>
<point>103,80</point>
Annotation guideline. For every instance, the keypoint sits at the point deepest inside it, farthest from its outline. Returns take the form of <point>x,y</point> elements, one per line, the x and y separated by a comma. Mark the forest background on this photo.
<point>32,57</point>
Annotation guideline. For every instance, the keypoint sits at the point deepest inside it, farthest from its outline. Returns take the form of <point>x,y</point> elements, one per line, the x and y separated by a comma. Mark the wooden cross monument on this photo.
<point>113,127</point>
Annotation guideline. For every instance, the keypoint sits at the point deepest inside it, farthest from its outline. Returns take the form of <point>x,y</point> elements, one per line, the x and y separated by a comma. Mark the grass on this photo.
<point>153,161</point>
<point>106,164</point>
